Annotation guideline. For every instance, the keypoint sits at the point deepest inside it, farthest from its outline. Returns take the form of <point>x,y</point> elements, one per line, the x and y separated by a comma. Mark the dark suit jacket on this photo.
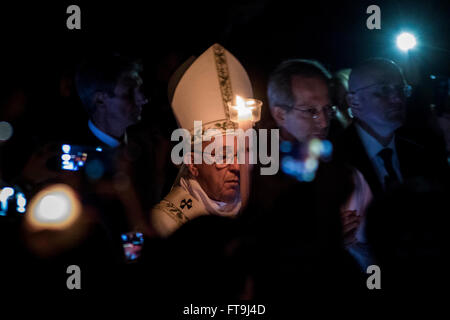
<point>415,160</point>
<point>86,137</point>
<point>283,204</point>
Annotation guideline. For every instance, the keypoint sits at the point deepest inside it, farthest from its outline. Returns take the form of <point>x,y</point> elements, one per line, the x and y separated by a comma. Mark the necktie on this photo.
<point>386,155</point>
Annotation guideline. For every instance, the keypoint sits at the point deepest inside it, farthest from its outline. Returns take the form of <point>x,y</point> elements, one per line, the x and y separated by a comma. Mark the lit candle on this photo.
<point>245,113</point>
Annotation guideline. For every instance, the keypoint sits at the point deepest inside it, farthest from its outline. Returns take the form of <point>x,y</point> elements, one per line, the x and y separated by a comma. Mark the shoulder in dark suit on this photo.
<point>86,137</point>
<point>415,159</point>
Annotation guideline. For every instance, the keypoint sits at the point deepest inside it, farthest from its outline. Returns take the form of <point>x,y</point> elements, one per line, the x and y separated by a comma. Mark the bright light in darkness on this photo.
<point>6,193</point>
<point>6,131</point>
<point>406,41</point>
<point>66,148</point>
<point>315,147</point>
<point>55,207</point>
<point>21,202</point>
<point>311,164</point>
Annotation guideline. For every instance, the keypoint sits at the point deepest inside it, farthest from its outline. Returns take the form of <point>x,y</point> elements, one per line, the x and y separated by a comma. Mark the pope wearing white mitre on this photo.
<point>200,90</point>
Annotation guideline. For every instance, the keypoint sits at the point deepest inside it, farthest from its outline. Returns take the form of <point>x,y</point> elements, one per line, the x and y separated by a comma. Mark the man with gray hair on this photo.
<point>300,103</point>
<point>299,100</point>
<point>377,97</point>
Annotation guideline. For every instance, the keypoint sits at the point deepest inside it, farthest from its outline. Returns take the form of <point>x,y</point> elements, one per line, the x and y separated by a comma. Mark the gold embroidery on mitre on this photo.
<point>223,77</point>
<point>222,125</point>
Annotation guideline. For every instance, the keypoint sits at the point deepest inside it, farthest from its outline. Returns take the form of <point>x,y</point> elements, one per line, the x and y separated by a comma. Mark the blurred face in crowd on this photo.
<point>126,103</point>
<point>219,181</point>
<point>309,117</point>
<point>378,98</point>
<point>122,109</point>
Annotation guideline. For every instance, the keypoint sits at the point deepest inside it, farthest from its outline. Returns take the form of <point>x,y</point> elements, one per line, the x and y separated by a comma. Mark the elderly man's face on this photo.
<point>310,115</point>
<point>380,99</point>
<point>219,181</point>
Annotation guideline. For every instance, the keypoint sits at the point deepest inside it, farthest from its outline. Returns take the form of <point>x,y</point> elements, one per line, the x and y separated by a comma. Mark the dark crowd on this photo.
<point>87,180</point>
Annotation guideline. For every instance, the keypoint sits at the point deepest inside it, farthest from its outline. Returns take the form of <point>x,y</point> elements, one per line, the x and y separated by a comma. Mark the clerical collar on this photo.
<point>372,145</point>
<point>212,206</point>
<point>104,137</point>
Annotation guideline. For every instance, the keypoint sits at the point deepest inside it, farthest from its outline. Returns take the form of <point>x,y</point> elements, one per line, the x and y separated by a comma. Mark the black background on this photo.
<point>38,50</point>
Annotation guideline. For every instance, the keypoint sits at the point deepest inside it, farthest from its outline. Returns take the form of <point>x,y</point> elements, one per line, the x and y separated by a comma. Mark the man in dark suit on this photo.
<point>373,143</point>
<point>299,93</point>
<point>110,89</point>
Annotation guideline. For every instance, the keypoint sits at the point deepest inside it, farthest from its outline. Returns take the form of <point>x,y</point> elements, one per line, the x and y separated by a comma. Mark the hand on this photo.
<point>36,170</point>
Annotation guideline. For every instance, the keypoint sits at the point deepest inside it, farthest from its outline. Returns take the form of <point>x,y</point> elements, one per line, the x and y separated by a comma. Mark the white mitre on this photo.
<point>201,89</point>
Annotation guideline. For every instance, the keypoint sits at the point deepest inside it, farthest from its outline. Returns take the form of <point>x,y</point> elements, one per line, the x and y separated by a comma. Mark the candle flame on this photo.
<point>244,113</point>
<point>240,102</point>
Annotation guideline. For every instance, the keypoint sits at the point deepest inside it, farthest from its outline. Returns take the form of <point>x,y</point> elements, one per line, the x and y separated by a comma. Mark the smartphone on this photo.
<point>132,243</point>
<point>74,157</point>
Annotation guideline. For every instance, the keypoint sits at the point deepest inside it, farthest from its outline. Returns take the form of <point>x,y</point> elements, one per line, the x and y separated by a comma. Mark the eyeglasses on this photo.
<point>314,113</point>
<point>387,90</point>
<point>225,159</point>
